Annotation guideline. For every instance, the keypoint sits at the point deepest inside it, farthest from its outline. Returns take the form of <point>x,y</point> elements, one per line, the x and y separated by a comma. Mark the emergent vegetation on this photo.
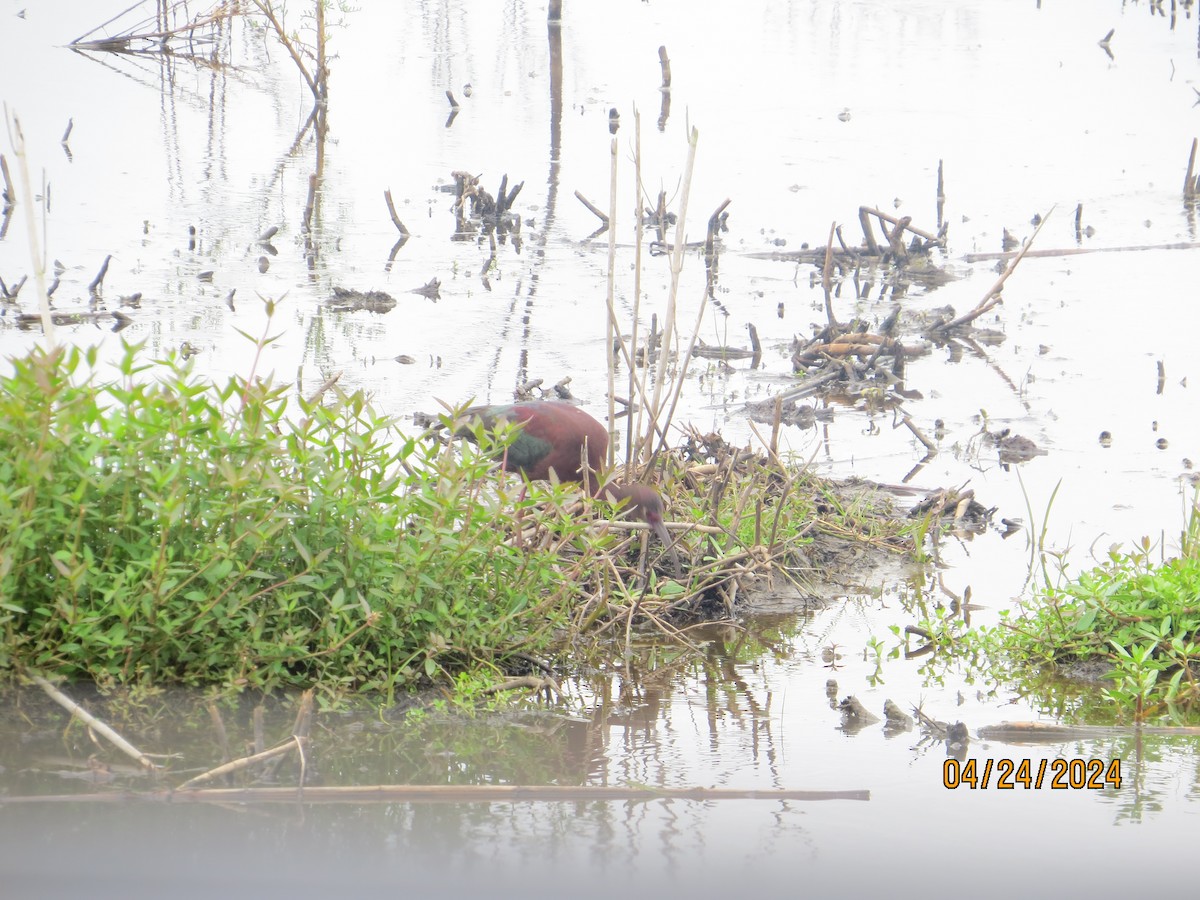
<point>1133,620</point>
<point>158,528</point>
<point>162,529</point>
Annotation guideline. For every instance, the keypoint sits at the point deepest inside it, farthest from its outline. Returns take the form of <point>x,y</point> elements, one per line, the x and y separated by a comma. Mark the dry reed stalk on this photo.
<point>218,723</point>
<point>677,382</point>
<point>238,764</point>
<point>16,138</point>
<point>387,196</point>
<point>93,723</point>
<point>673,293</point>
<point>611,318</point>
<point>1079,251</point>
<point>868,233</point>
<point>827,278</point>
<point>632,427</point>
<point>903,223</point>
<point>592,208</point>
<point>10,194</point>
<point>1189,182</point>
<point>992,297</point>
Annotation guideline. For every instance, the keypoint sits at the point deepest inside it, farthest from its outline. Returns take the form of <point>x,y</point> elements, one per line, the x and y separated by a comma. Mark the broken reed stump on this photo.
<point>1191,181</point>
<point>592,208</point>
<point>10,195</point>
<point>387,196</point>
<point>98,281</point>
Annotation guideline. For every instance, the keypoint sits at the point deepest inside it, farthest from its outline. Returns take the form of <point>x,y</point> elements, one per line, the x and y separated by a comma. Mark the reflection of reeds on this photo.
<point>175,30</point>
<point>171,24</point>
<point>316,81</point>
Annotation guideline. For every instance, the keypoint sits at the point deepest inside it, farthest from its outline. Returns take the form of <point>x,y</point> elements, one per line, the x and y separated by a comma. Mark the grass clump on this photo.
<point>1133,620</point>
<point>156,528</point>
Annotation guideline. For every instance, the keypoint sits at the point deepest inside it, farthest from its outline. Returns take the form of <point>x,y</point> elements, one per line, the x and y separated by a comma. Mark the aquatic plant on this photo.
<point>1132,620</point>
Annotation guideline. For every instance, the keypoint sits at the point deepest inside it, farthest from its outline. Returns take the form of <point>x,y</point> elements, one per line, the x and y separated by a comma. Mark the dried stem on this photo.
<point>92,722</point>
<point>238,764</point>
<point>992,297</point>
<point>611,318</point>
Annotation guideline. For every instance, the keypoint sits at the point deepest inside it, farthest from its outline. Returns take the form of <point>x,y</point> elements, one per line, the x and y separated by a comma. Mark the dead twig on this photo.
<point>244,762</point>
<point>532,682</point>
<point>592,208</point>
<point>993,297</point>
<point>94,287</point>
<point>93,723</point>
<point>387,196</point>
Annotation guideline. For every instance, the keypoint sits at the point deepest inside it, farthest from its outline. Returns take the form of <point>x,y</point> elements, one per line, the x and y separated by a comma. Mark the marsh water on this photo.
<point>805,111</point>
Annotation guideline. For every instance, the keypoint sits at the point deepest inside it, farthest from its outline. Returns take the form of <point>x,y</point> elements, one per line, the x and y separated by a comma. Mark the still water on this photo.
<point>805,111</point>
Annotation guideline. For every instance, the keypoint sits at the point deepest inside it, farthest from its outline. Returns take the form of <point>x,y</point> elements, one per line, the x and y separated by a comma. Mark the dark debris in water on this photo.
<point>431,290</point>
<point>350,300</point>
<point>790,413</point>
<point>1013,448</point>
<point>967,513</point>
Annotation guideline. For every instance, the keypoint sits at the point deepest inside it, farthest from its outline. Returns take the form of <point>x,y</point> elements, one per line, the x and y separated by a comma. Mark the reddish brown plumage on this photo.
<point>553,439</point>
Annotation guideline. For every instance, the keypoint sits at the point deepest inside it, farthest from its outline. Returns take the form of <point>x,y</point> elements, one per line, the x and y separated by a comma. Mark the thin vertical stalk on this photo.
<point>632,428</point>
<point>611,318</point>
<point>681,372</point>
<point>17,138</point>
<point>668,333</point>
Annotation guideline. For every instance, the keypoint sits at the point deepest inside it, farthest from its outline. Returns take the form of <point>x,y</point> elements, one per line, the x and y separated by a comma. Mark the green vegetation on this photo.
<point>159,529</point>
<point>1132,619</point>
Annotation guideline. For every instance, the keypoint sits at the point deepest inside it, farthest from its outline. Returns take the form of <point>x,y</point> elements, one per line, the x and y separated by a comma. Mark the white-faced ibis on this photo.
<point>559,437</point>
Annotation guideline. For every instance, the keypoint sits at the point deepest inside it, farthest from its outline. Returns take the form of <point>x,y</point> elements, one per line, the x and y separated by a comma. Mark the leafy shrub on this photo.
<point>165,529</point>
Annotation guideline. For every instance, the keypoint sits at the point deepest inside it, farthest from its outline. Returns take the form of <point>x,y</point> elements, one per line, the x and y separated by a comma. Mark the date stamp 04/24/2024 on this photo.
<point>1009,774</point>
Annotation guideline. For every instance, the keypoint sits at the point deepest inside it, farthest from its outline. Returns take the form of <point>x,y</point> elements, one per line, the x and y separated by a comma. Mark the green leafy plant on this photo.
<point>1135,617</point>
<point>157,528</point>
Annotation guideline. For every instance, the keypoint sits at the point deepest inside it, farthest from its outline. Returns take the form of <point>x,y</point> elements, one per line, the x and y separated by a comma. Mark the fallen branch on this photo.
<point>992,297</point>
<point>532,682</point>
<point>445,793</point>
<point>238,764</point>
<point>93,723</point>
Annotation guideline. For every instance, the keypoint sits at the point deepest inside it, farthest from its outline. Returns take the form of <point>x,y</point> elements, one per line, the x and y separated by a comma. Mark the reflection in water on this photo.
<point>208,156</point>
<point>666,721</point>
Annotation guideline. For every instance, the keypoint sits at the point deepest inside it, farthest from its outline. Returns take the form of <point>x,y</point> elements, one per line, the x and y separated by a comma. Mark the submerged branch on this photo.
<point>92,722</point>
